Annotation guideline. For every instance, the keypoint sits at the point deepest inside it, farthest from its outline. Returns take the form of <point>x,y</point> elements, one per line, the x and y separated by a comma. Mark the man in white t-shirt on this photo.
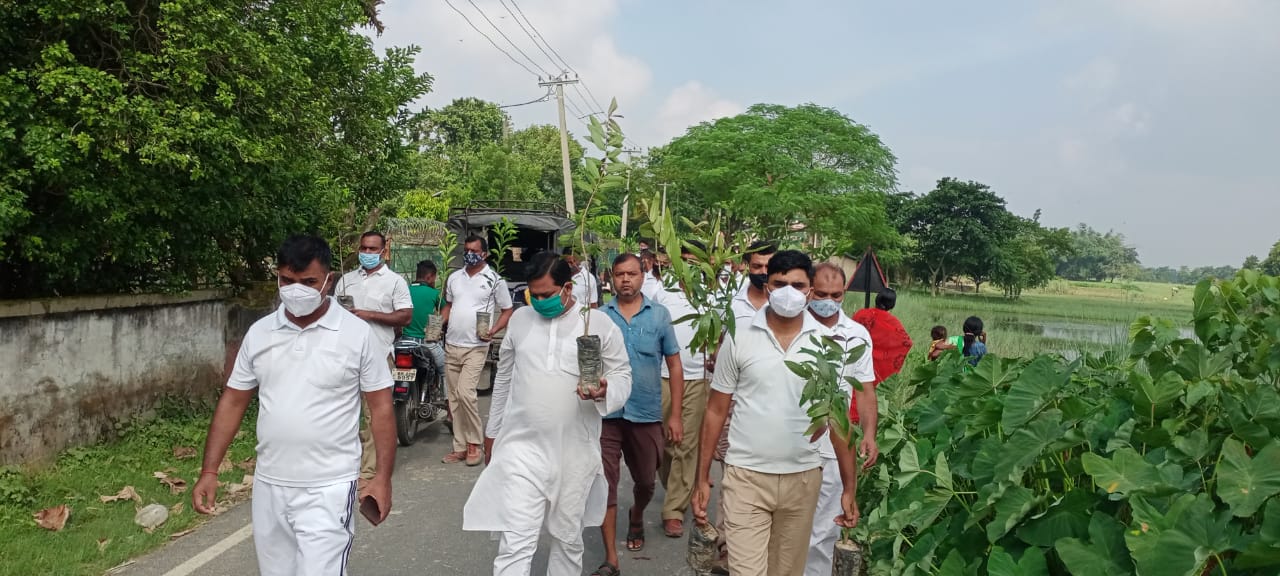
<point>773,469</point>
<point>680,461</point>
<point>475,289</point>
<point>585,286</point>
<point>825,304</point>
<point>309,363</point>
<point>652,283</point>
<point>380,297</point>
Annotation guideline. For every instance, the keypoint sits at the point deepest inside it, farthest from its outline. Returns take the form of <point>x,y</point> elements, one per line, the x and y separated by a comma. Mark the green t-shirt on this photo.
<point>425,300</point>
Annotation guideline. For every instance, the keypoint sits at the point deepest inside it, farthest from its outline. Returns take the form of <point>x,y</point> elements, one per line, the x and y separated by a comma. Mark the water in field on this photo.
<point>1067,331</point>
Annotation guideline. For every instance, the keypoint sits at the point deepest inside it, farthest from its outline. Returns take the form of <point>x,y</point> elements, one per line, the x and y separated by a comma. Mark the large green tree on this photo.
<point>1028,257</point>
<point>1271,264</point>
<point>161,144</point>
<point>774,166</point>
<point>957,229</point>
<point>1097,256</point>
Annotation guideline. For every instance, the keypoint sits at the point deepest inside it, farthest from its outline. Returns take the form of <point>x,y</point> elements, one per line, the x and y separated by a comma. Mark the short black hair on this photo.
<point>938,332</point>
<point>547,262</point>
<point>647,255</point>
<point>426,267</point>
<point>380,236</point>
<point>299,251</point>
<point>625,257</point>
<point>785,261</point>
<point>886,299</point>
<point>484,244</point>
<point>763,248</point>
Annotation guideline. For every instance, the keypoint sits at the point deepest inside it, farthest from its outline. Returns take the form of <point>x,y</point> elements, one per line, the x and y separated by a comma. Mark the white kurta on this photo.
<point>547,440</point>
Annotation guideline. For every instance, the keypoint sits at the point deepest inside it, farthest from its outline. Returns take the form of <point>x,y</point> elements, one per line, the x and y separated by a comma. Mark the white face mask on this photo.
<point>787,302</point>
<point>302,300</point>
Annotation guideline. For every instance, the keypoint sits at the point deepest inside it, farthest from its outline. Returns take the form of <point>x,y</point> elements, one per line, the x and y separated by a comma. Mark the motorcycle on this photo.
<point>418,393</point>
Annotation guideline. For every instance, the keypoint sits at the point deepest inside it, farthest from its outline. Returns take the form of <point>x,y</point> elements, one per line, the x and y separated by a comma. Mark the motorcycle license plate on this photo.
<point>404,375</point>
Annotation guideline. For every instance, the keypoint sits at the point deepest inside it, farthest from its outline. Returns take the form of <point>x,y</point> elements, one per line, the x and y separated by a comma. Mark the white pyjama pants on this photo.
<point>303,531</point>
<point>822,541</point>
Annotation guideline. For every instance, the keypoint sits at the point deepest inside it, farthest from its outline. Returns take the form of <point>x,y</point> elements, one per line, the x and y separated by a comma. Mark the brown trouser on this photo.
<point>368,454</point>
<point>680,462</point>
<point>640,445</point>
<point>768,518</point>
<point>463,367</point>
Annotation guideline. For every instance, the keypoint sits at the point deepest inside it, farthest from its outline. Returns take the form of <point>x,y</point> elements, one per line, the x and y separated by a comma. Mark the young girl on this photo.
<point>975,340</point>
<point>941,343</point>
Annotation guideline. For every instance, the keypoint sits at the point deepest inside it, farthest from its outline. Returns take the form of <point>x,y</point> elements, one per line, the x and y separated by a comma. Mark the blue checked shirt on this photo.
<point>650,339</point>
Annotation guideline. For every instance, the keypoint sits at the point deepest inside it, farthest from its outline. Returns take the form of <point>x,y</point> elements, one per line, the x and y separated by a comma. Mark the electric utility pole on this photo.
<point>626,198</point>
<point>559,84</point>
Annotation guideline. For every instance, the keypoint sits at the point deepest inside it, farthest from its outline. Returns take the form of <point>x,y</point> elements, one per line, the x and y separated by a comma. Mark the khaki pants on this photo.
<point>463,367</point>
<point>680,463</point>
<point>768,518</point>
<point>368,454</point>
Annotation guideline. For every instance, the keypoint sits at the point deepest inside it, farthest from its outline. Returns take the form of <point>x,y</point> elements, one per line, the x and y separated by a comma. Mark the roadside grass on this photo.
<point>98,535</point>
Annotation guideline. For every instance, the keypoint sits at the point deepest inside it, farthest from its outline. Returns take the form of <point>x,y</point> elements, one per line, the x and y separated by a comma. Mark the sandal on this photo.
<point>607,569</point>
<point>635,536</point>
<point>454,457</point>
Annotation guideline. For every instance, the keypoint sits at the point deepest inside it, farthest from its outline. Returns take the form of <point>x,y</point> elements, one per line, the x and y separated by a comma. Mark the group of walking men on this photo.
<point>553,449</point>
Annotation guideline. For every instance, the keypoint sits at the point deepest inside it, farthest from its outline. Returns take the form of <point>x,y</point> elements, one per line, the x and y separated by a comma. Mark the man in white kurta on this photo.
<point>546,467</point>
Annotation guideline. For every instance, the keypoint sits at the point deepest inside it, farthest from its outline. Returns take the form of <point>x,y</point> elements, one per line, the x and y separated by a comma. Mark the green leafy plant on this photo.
<point>824,396</point>
<point>504,233</point>
<point>1161,460</point>
<point>599,176</point>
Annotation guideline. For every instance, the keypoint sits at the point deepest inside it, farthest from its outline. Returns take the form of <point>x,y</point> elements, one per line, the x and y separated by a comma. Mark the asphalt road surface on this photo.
<point>423,535</point>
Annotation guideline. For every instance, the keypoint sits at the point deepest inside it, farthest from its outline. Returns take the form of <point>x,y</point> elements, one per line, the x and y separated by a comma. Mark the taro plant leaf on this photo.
<point>989,376</point>
<point>1265,550</point>
<point>1027,444</point>
<point>908,465</point>
<point>1195,362</point>
<point>1194,445</point>
<point>1032,563</point>
<point>1178,542</point>
<point>1246,483</point>
<point>1068,517</point>
<point>943,472</point>
<point>1031,392</point>
<point>1123,473</point>
<point>1152,398</point>
<point>1104,554</point>
<point>1199,391</point>
<point>1016,503</point>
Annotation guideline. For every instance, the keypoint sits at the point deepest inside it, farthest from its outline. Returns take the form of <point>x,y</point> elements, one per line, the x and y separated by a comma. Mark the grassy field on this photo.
<point>99,535</point>
<point>1066,317</point>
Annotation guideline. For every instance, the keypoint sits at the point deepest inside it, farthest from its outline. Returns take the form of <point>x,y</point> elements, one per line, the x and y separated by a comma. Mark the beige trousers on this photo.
<point>680,463</point>
<point>368,454</point>
<point>768,518</point>
<point>463,367</point>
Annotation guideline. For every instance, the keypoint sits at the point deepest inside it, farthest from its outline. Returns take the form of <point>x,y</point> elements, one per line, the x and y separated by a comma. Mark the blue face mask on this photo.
<point>548,307</point>
<point>370,261</point>
<point>472,259</point>
<point>824,308</point>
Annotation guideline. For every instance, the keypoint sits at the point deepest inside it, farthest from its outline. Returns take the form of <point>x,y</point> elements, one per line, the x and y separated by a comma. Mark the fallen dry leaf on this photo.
<point>102,544</point>
<point>177,509</point>
<point>225,466</point>
<point>184,452</point>
<point>126,493</point>
<point>53,518</point>
<point>176,485</point>
<point>177,535</point>
<point>248,465</point>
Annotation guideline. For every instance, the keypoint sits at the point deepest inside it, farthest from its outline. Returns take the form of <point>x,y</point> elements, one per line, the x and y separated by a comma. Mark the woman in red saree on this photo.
<point>889,340</point>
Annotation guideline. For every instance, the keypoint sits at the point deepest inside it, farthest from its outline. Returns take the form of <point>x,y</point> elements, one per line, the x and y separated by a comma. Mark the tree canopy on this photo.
<point>168,144</point>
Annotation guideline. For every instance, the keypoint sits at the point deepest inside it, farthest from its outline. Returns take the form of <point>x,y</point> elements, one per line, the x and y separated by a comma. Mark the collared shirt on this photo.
<point>677,304</point>
<point>469,294</point>
<point>650,338</point>
<point>853,335</point>
<point>742,306</point>
<point>309,382</point>
<point>767,431</point>
<point>584,286</point>
<point>380,291</point>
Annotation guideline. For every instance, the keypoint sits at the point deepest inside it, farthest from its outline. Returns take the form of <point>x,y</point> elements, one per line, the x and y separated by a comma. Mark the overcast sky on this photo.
<point>1155,118</point>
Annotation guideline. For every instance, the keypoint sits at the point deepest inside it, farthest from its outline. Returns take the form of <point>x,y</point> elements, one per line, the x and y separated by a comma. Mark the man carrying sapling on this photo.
<point>773,473</point>
<point>476,288</point>
<point>825,304</point>
<point>543,437</point>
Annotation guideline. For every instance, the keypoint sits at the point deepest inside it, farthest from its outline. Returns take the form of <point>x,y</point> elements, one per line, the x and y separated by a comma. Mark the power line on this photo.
<point>505,37</point>
<point>527,33</point>
<point>553,51</point>
<point>495,44</point>
<point>542,98</point>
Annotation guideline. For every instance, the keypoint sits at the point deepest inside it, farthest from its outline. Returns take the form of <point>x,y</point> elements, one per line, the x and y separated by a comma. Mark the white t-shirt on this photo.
<point>650,286</point>
<point>380,291</point>
<point>678,305</point>
<point>767,431</point>
<point>584,286</point>
<point>854,335</point>
<point>309,382</point>
<point>486,291</point>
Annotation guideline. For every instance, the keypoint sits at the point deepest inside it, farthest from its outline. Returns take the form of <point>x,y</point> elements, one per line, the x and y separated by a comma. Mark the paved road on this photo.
<point>423,535</point>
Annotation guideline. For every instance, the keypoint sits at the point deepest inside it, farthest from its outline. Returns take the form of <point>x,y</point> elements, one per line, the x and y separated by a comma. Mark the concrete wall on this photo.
<point>72,370</point>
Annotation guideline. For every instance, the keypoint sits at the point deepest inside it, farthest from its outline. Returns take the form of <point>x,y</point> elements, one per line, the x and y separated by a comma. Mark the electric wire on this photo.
<point>508,39</point>
<point>486,37</point>
<point>557,53</point>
